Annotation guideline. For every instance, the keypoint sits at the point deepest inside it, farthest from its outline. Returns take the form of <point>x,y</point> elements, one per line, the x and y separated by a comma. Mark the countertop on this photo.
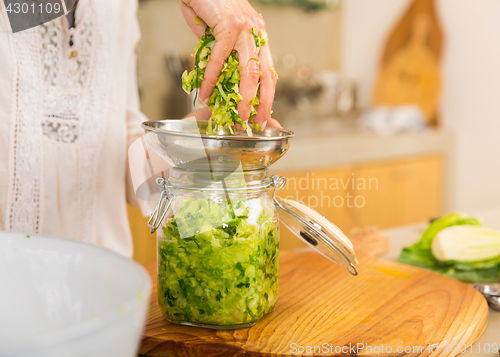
<point>401,237</point>
<point>322,149</point>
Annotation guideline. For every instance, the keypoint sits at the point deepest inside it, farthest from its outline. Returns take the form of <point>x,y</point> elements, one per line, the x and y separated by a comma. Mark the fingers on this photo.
<point>196,24</point>
<point>267,86</point>
<point>220,52</point>
<point>272,123</point>
<point>231,22</point>
<point>250,73</point>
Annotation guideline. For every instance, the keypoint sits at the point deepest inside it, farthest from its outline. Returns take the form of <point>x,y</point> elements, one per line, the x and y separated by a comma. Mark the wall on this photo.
<point>471,74</point>
<point>313,38</point>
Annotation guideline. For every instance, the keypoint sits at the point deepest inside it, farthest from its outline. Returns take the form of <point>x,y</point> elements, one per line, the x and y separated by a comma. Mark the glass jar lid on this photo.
<point>315,230</point>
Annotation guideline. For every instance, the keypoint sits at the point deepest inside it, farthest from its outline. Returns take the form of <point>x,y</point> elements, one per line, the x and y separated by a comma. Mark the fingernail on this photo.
<point>202,103</point>
<point>263,126</point>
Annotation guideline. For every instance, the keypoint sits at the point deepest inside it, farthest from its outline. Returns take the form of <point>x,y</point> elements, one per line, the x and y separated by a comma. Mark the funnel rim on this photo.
<point>148,126</point>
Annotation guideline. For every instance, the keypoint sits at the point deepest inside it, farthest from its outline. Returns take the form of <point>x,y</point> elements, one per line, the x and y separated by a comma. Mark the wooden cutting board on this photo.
<point>388,304</point>
<point>409,71</point>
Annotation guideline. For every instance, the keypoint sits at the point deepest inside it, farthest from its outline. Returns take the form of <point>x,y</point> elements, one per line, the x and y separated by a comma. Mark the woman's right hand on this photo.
<point>232,22</point>
<point>204,114</point>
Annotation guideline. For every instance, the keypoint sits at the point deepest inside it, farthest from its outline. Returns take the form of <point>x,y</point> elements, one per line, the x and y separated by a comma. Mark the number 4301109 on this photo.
<point>33,8</point>
<point>479,348</point>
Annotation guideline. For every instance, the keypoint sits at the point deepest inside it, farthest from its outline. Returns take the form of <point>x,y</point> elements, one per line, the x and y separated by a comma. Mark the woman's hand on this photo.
<point>231,22</point>
<point>203,114</point>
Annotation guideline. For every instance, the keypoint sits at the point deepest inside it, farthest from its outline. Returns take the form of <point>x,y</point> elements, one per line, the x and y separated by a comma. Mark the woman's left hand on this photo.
<point>232,22</point>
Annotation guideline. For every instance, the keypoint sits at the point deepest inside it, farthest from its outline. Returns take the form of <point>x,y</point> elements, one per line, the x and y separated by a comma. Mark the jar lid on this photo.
<point>318,232</point>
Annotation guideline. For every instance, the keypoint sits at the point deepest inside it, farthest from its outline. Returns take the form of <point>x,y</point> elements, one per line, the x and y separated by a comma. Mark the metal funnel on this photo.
<point>184,144</point>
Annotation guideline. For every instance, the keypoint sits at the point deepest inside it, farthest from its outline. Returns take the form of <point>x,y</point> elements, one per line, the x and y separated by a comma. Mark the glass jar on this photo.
<point>217,226</point>
<point>218,249</point>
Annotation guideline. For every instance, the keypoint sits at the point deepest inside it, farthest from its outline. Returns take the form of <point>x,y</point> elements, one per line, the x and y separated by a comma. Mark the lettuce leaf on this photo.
<point>420,254</point>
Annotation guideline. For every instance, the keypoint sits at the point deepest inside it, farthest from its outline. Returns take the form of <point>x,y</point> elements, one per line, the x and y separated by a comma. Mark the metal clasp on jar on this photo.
<point>164,203</point>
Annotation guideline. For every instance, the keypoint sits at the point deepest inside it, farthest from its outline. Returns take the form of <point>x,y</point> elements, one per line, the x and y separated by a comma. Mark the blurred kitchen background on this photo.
<point>405,93</point>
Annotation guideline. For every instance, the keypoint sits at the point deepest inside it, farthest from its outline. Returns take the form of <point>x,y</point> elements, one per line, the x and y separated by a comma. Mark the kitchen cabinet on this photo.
<point>384,194</point>
<point>409,191</point>
<point>316,188</point>
<point>144,241</point>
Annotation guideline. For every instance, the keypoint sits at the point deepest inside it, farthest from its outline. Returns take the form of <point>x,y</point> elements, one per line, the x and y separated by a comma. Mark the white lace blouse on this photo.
<point>67,116</point>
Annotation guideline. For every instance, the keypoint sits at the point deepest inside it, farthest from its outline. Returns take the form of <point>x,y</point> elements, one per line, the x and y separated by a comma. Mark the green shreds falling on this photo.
<point>226,94</point>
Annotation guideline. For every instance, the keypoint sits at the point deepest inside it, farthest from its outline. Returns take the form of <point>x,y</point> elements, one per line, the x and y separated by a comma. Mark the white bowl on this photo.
<point>64,298</point>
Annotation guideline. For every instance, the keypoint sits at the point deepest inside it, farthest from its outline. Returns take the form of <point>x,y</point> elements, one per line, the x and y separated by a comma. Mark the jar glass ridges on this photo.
<point>218,251</point>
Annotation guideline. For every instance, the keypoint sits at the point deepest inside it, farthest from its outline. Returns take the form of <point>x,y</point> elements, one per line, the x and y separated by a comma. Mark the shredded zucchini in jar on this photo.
<point>220,274</point>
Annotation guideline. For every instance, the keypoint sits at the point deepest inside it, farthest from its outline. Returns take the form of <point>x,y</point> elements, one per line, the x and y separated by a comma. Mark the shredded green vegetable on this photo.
<point>221,274</point>
<point>259,40</point>
<point>226,96</point>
